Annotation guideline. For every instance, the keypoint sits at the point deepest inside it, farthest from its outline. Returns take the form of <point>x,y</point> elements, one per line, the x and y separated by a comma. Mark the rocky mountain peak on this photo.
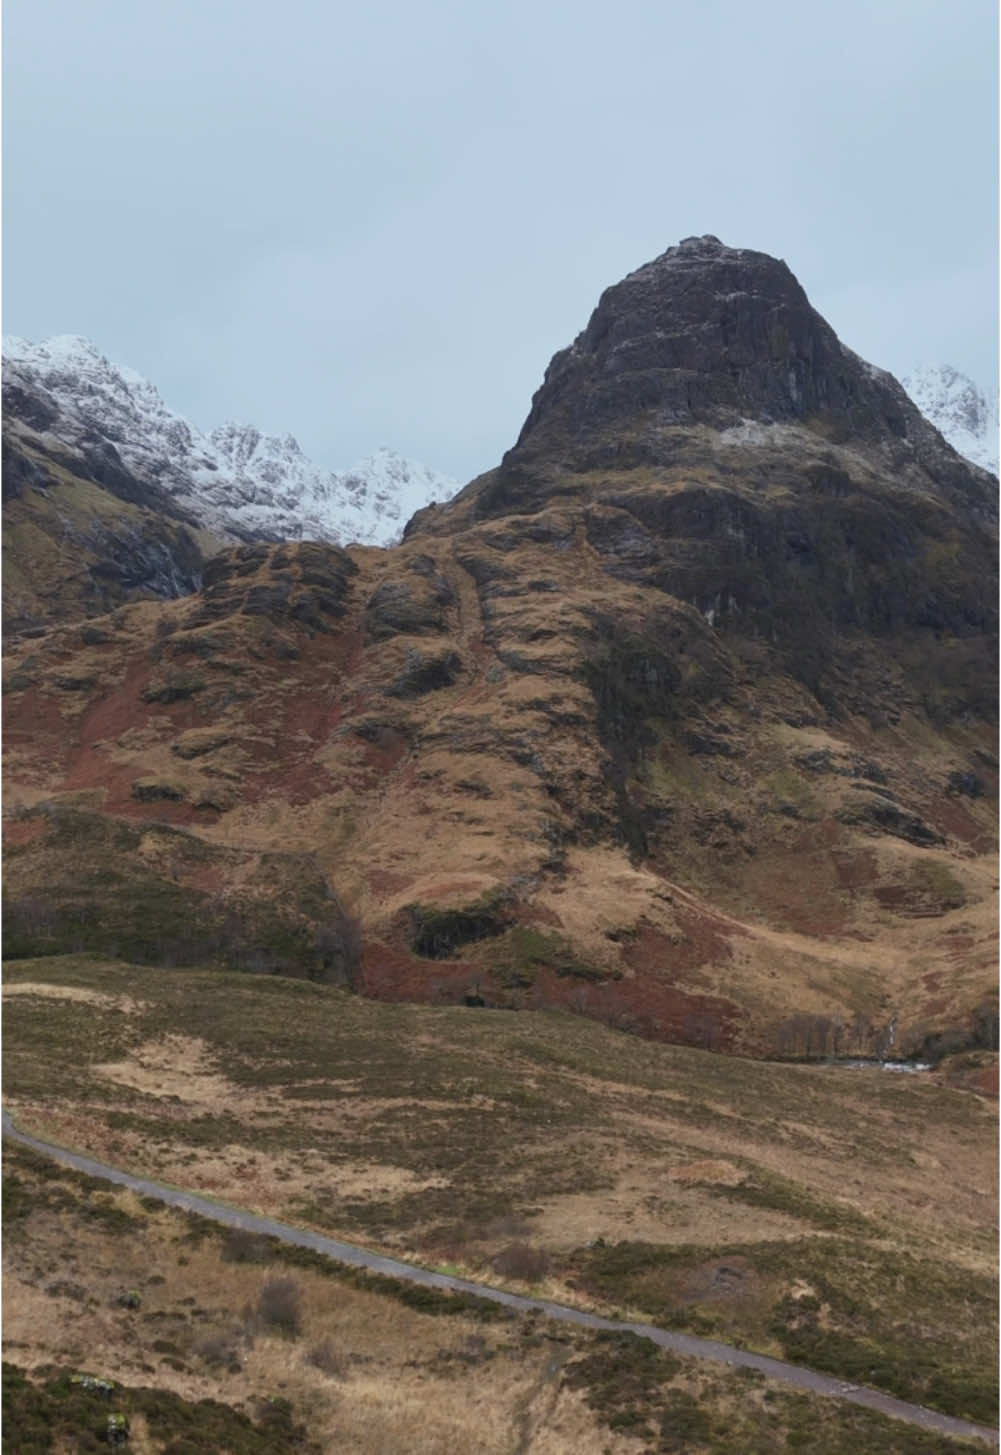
<point>707,334</point>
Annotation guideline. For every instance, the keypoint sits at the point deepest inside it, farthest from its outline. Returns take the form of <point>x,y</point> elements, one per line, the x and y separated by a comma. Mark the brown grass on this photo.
<point>361,1130</point>
<point>365,1373</point>
<point>402,1380</point>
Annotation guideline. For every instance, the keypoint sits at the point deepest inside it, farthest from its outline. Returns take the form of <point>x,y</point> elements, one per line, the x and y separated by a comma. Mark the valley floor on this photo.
<point>837,1220</point>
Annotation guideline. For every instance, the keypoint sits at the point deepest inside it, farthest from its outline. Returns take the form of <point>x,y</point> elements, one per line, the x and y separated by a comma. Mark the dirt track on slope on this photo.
<point>349,1253</point>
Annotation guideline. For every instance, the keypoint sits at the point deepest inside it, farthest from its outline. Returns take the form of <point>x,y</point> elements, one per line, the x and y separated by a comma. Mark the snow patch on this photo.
<point>754,432</point>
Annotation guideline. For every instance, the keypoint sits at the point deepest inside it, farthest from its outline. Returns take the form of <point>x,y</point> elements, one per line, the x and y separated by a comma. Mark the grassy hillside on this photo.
<point>210,1341</point>
<point>844,1219</point>
<point>671,835</point>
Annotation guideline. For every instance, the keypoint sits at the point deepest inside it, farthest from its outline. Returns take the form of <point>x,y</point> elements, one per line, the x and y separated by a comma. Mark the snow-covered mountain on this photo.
<point>958,410</point>
<point>235,481</point>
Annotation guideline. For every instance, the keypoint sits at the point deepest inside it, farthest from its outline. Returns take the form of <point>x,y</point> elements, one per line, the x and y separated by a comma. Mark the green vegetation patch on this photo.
<point>873,1315</point>
<point>57,1409</point>
<point>437,933</point>
<point>32,1184</point>
<point>524,951</point>
<point>421,1298</point>
<point>790,793</point>
<point>935,879</point>
<point>624,1376</point>
<point>683,1407</point>
<point>87,887</point>
<point>768,1190</point>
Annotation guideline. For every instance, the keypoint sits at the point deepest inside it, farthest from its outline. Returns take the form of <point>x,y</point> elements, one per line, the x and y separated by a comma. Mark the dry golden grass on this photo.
<point>363,1373</point>
<point>405,1124</point>
<point>416,1128</point>
<point>178,1067</point>
<point>127,1004</point>
<point>386,1378</point>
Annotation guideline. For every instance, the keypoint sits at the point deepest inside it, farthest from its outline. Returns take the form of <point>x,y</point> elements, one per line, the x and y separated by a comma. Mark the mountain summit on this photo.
<point>712,335</point>
<point>706,357</point>
<point>111,496</point>
<point>726,448</point>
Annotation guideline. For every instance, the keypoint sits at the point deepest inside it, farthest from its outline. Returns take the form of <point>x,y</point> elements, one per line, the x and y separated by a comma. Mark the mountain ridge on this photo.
<point>235,481</point>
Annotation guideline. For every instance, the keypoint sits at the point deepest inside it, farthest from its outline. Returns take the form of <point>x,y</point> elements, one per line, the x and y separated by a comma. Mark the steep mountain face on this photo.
<point>681,717</point>
<point>958,410</point>
<point>722,447</point>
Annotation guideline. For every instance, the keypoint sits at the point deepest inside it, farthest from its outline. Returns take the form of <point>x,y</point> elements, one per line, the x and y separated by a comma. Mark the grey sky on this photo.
<point>375,223</point>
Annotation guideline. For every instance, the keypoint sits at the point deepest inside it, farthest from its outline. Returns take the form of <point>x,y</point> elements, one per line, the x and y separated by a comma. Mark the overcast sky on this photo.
<point>375,223</point>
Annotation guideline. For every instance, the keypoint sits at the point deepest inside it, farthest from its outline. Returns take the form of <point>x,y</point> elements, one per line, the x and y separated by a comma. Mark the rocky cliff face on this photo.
<point>680,718</point>
<point>717,336</point>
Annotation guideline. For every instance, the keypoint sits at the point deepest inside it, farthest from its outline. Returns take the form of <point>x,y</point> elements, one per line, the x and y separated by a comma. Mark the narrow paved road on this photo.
<point>685,1344</point>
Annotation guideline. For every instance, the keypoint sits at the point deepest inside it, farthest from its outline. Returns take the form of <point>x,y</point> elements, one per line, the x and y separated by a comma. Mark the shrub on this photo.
<point>174,687</point>
<point>328,1361</point>
<point>525,950</point>
<point>522,1261</point>
<point>338,949</point>
<point>241,1246</point>
<point>279,1307</point>
<point>507,1226</point>
<point>149,790</point>
<point>218,1348</point>
<point>437,932</point>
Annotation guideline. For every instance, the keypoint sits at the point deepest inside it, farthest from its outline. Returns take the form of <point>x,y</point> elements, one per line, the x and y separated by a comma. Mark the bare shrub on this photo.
<point>218,1348</point>
<point>328,1360</point>
<point>522,1261</point>
<point>279,1307</point>
<point>241,1246</point>
<point>64,1289</point>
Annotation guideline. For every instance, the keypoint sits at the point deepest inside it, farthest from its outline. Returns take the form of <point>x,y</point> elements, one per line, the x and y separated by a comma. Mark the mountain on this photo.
<point>235,481</point>
<point>82,533</point>
<point>683,717</point>
<point>141,496</point>
<point>959,410</point>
